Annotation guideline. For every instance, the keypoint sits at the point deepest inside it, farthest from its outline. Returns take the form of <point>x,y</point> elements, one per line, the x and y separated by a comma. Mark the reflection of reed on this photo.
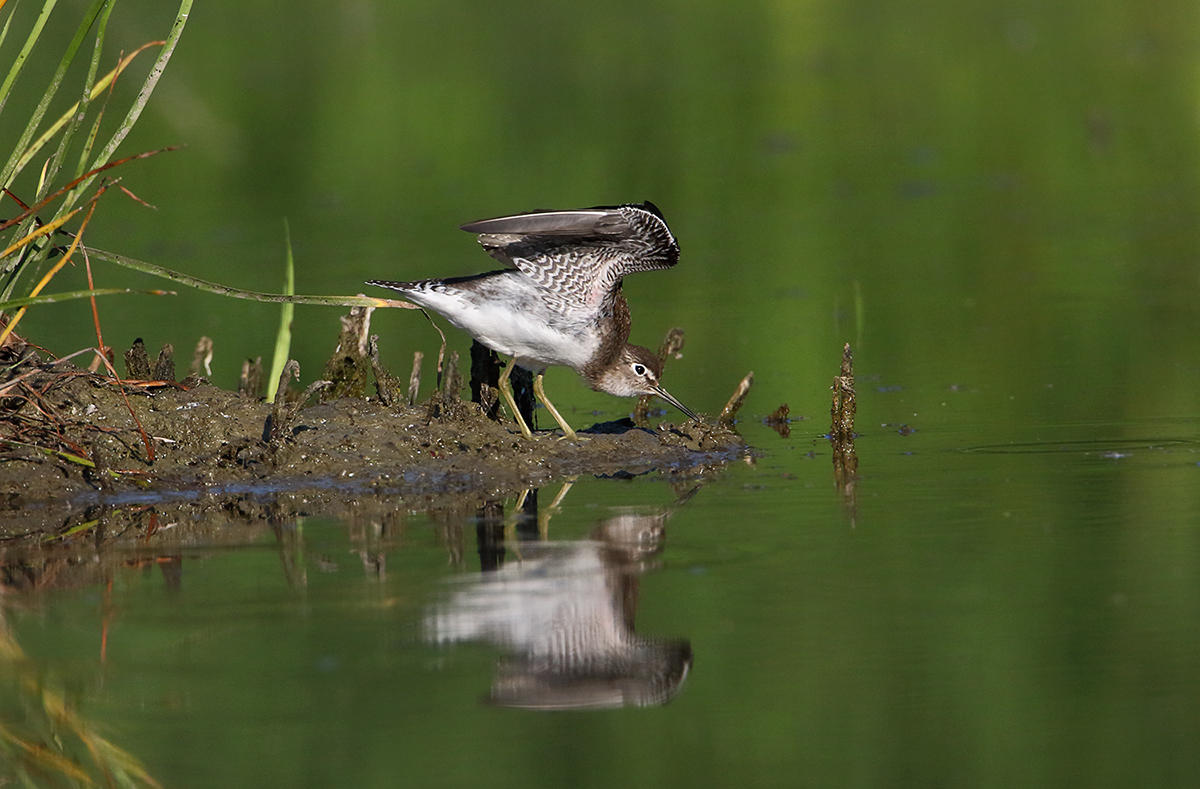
<point>564,614</point>
<point>37,748</point>
<point>371,538</point>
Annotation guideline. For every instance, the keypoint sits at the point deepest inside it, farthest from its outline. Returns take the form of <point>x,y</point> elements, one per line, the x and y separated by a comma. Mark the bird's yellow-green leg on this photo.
<point>546,513</point>
<point>506,392</point>
<point>510,523</point>
<point>540,393</point>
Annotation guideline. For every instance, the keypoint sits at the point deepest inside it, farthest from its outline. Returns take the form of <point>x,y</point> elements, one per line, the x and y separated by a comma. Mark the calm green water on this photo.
<point>1011,615</point>
<point>995,203</point>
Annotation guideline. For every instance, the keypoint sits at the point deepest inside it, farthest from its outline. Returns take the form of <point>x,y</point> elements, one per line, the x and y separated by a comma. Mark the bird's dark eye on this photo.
<point>639,369</point>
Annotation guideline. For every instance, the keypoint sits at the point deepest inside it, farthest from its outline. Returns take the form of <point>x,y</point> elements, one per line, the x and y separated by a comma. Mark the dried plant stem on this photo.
<point>414,378</point>
<point>735,401</point>
<point>102,351</point>
<point>841,431</point>
<point>12,324</point>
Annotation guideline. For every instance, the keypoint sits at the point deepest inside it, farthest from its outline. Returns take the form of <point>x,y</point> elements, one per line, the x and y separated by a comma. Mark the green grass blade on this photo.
<point>12,11</point>
<point>283,338</point>
<point>17,161</point>
<point>71,532</point>
<point>11,170</point>
<point>93,69</point>
<point>69,123</point>
<point>74,114</point>
<point>70,456</point>
<point>10,79</point>
<point>237,293</point>
<point>139,103</point>
<point>860,315</point>
<point>14,71</point>
<point>51,298</point>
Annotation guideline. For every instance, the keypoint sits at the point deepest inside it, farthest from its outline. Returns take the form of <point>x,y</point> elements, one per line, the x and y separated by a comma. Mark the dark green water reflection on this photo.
<point>987,615</point>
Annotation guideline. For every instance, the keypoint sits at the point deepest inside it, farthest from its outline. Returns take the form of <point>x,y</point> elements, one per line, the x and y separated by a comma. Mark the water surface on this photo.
<point>1006,612</point>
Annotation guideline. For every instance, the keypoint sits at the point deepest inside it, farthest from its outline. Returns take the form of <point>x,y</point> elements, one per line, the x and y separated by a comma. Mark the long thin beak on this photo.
<point>664,394</point>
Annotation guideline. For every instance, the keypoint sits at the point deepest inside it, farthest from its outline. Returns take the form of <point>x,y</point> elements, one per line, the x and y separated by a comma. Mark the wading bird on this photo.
<point>560,302</point>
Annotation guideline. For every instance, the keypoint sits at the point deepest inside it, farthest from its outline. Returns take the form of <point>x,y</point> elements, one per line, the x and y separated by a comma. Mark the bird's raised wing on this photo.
<point>580,255</point>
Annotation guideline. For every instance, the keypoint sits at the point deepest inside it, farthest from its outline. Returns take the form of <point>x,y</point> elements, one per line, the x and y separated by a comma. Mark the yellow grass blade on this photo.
<point>100,86</point>
<point>41,231</point>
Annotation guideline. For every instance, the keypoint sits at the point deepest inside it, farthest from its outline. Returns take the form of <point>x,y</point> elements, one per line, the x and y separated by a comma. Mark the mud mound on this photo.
<point>70,443</point>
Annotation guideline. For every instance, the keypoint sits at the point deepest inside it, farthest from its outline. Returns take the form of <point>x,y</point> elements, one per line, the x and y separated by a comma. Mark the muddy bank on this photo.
<point>72,446</point>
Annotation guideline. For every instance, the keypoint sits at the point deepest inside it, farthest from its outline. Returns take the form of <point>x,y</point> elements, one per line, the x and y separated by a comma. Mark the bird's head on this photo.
<point>635,372</point>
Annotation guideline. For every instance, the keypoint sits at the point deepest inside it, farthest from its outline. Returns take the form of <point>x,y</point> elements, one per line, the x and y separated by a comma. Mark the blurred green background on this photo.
<point>966,191</point>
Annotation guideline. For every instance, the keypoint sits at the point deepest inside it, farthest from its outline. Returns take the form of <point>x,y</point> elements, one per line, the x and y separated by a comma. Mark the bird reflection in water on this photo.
<point>564,614</point>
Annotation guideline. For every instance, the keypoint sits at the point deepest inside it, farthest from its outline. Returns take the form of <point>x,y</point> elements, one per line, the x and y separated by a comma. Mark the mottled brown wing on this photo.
<point>580,255</point>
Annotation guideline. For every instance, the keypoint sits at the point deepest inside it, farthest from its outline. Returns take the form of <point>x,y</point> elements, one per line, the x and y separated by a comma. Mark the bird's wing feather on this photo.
<point>553,223</point>
<point>580,255</point>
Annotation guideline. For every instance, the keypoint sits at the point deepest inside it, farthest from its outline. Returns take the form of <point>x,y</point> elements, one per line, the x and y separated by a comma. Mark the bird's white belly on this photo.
<point>513,332</point>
